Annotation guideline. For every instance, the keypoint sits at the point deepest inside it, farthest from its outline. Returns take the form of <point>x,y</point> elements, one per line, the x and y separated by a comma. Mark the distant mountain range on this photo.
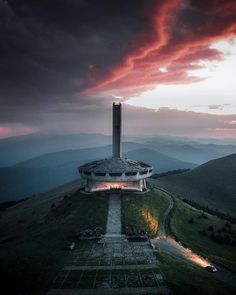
<point>16,149</point>
<point>192,152</point>
<point>212,184</point>
<point>32,164</point>
<point>50,170</point>
<point>21,148</point>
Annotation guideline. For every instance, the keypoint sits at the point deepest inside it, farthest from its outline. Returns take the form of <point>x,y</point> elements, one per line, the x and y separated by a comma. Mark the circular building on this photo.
<point>116,172</point>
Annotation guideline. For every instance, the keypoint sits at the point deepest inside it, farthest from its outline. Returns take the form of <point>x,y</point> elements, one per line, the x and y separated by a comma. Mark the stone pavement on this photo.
<point>112,265</point>
<point>114,215</point>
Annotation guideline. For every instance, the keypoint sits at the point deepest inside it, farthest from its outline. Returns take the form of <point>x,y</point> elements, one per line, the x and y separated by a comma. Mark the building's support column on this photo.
<point>87,185</point>
<point>144,184</point>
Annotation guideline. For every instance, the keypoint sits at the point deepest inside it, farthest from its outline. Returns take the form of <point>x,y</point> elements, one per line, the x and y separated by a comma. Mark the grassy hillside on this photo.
<point>35,235</point>
<point>205,234</point>
<point>212,184</point>
<point>185,279</point>
<point>144,211</point>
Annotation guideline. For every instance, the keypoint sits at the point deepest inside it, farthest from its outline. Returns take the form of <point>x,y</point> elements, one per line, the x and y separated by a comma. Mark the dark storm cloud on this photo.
<point>182,33</point>
<point>52,52</point>
<point>53,49</point>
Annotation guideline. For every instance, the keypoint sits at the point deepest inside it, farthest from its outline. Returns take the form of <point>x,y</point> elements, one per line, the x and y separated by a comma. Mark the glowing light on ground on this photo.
<point>196,259</point>
<point>150,220</point>
<point>215,94</point>
<point>170,246</point>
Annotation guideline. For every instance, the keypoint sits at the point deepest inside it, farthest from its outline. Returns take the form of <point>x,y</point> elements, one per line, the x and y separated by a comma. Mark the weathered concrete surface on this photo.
<point>120,267</point>
<point>162,290</point>
<point>111,266</point>
<point>114,215</point>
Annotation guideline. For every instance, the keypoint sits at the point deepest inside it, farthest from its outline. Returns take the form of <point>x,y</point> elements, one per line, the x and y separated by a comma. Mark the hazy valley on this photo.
<point>35,163</point>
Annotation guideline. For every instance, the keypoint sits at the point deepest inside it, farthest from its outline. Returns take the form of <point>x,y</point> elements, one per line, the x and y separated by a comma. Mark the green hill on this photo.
<point>35,235</point>
<point>212,184</point>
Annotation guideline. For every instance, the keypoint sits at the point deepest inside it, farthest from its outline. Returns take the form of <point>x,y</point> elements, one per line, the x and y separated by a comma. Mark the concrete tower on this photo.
<point>116,139</point>
<point>115,172</point>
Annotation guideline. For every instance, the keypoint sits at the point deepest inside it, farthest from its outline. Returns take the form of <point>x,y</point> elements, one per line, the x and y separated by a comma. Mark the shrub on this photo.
<point>191,221</point>
<point>210,228</point>
<point>203,232</point>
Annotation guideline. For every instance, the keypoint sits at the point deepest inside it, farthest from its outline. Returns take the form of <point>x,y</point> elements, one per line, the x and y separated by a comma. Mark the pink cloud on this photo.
<point>6,131</point>
<point>176,43</point>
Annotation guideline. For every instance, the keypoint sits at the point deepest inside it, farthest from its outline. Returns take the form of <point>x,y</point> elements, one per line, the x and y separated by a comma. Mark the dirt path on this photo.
<point>166,216</point>
<point>167,244</point>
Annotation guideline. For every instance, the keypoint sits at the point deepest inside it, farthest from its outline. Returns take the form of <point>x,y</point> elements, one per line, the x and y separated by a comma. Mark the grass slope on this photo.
<point>185,279</point>
<point>144,211</point>
<point>38,232</point>
<point>212,184</point>
<point>186,224</point>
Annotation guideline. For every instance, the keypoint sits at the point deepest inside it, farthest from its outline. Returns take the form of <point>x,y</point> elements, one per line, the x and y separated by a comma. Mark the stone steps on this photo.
<point>113,238</point>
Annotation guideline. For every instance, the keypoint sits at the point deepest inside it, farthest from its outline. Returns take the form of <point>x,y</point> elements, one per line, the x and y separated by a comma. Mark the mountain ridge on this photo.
<point>212,183</point>
<point>46,172</point>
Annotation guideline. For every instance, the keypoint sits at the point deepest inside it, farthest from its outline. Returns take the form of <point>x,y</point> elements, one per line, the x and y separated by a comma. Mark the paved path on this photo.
<point>120,267</point>
<point>161,290</point>
<point>114,215</point>
<point>111,266</point>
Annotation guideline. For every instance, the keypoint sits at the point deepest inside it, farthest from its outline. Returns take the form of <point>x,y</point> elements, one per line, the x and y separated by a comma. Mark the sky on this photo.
<point>171,63</point>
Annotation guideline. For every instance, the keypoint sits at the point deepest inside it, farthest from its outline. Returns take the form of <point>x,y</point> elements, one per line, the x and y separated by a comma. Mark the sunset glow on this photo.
<point>215,94</point>
<point>60,73</point>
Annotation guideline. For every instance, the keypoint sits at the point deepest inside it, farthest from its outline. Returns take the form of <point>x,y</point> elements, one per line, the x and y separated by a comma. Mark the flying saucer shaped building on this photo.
<point>116,172</point>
